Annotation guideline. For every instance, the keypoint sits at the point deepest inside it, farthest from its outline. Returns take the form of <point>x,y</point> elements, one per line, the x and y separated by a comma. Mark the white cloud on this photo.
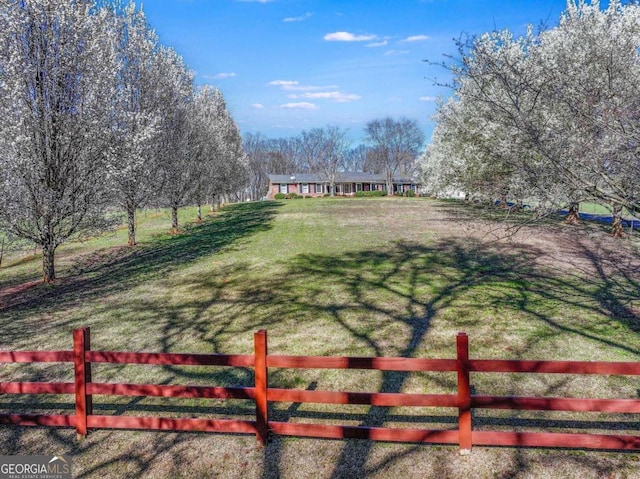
<point>301,18</point>
<point>282,83</point>
<point>377,44</point>
<point>415,38</point>
<point>396,52</point>
<point>222,76</point>
<point>309,87</point>
<point>257,106</point>
<point>293,85</point>
<point>428,98</point>
<point>336,96</point>
<point>348,37</point>
<point>303,105</point>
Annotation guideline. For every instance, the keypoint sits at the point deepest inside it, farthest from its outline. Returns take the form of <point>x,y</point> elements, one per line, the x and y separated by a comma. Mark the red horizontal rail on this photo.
<point>374,399</point>
<point>548,439</point>
<point>359,432</point>
<point>554,367</point>
<point>37,388</point>
<point>171,424</point>
<point>347,362</point>
<point>36,356</point>
<point>118,389</point>
<point>84,388</point>
<point>176,359</point>
<point>53,420</point>
<point>556,404</point>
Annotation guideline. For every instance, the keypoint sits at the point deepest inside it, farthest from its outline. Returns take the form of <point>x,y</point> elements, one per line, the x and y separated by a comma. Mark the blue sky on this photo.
<point>288,65</point>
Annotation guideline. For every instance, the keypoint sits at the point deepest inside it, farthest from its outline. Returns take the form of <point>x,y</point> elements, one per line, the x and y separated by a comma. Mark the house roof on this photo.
<point>343,177</point>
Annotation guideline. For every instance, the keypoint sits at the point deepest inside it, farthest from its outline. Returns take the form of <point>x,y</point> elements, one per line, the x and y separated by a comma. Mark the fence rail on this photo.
<point>83,388</point>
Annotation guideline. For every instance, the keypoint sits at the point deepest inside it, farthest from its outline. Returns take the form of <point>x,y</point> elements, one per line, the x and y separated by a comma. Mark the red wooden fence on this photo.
<point>83,388</point>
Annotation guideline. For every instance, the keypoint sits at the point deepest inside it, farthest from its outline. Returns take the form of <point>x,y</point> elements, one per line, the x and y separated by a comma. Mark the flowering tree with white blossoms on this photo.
<point>137,114</point>
<point>178,137</point>
<point>57,66</point>
<point>217,154</point>
<point>552,117</point>
<point>94,113</point>
<point>230,170</point>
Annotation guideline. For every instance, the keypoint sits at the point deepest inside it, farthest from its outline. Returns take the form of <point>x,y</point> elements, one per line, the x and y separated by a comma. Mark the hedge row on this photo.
<point>361,194</point>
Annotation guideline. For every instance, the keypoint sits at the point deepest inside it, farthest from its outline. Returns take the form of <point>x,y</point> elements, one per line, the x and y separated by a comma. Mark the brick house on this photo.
<point>347,184</point>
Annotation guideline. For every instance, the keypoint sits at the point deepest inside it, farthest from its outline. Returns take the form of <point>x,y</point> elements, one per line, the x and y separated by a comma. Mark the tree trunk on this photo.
<point>199,218</point>
<point>174,220</point>
<point>131,221</point>
<point>1,251</point>
<point>332,186</point>
<point>616,227</point>
<point>573,218</point>
<point>48,258</point>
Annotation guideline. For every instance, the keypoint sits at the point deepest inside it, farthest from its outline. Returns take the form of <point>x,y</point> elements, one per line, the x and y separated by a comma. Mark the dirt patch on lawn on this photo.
<point>586,249</point>
<point>13,294</point>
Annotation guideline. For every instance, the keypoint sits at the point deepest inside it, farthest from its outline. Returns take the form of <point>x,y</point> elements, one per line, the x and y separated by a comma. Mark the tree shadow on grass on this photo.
<point>119,269</point>
<point>364,272</point>
<point>384,302</point>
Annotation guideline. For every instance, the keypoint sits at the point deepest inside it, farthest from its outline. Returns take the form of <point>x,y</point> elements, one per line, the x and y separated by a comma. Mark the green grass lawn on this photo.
<point>372,276</point>
<point>598,209</point>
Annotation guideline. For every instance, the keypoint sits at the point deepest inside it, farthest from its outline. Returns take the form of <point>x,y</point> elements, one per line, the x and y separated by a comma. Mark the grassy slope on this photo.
<point>598,209</point>
<point>382,276</point>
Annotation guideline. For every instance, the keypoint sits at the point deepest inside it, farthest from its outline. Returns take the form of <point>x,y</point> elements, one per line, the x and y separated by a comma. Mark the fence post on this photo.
<point>82,375</point>
<point>464,394</point>
<point>261,385</point>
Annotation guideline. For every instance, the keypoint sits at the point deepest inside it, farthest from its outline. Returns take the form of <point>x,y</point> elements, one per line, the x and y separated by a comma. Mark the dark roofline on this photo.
<point>342,177</point>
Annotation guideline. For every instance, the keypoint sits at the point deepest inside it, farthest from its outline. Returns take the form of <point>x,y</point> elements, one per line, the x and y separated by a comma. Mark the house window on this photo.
<point>319,188</point>
<point>358,187</point>
<point>305,188</point>
<point>284,188</point>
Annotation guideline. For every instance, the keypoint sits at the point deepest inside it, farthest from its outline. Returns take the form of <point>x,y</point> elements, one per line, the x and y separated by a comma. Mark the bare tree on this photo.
<point>395,145</point>
<point>284,155</point>
<point>358,159</point>
<point>255,146</point>
<point>324,151</point>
